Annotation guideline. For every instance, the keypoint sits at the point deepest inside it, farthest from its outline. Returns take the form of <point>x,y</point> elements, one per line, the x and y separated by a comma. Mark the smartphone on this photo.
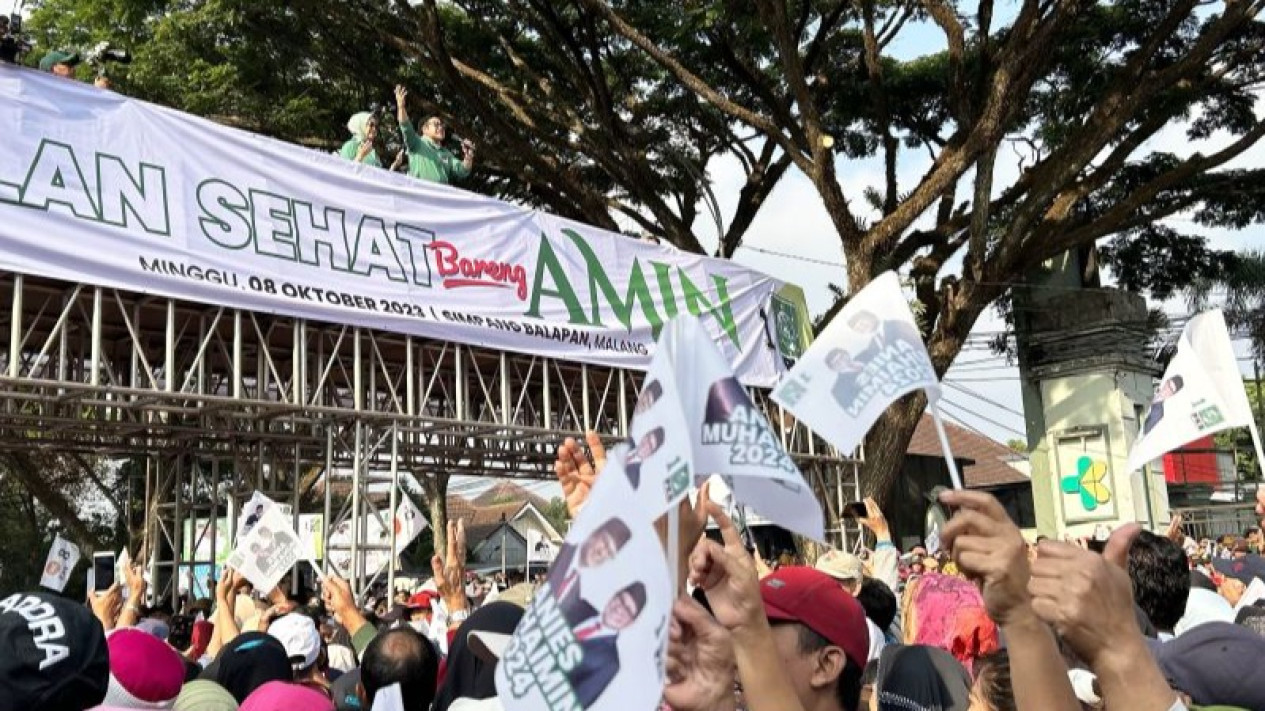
<point>103,570</point>
<point>856,509</point>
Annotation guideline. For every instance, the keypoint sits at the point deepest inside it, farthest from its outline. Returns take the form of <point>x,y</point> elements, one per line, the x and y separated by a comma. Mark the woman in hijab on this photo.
<point>251,660</point>
<point>916,677</point>
<point>204,695</point>
<point>359,148</point>
<point>469,676</point>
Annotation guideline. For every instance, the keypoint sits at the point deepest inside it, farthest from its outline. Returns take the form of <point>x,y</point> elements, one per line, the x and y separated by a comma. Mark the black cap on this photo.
<point>251,660</point>
<point>54,654</point>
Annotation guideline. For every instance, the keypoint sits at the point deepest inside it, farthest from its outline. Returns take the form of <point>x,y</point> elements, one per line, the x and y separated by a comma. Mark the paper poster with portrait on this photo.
<point>269,551</point>
<point>62,558</point>
<point>870,355</point>
<point>711,427</point>
<point>253,511</point>
<point>596,633</point>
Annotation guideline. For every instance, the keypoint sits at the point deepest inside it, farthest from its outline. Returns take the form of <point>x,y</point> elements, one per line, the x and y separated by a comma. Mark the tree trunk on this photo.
<point>435,489</point>
<point>886,444</point>
<point>24,467</point>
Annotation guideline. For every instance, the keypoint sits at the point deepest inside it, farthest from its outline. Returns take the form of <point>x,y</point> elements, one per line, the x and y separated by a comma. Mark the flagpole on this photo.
<point>674,548</point>
<point>944,444</point>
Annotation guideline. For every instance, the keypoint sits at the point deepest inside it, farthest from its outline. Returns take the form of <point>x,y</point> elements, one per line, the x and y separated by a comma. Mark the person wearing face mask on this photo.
<point>421,611</point>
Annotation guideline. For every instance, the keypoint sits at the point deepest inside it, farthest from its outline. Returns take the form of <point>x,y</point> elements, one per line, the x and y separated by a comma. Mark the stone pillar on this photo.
<point>1087,381</point>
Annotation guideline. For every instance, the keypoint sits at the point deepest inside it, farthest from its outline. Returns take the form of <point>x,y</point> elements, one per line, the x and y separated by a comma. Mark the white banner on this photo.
<point>101,188</point>
<point>409,524</point>
<point>596,633</point>
<point>1211,340</point>
<point>694,419</point>
<point>266,553</point>
<point>869,355</point>
<point>1190,402</point>
<point>62,557</point>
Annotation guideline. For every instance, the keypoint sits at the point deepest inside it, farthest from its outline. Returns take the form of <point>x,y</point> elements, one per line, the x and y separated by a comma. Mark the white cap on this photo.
<point>298,634</point>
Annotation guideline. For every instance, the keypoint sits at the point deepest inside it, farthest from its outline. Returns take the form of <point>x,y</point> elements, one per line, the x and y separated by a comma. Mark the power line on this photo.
<point>995,423</point>
<point>785,255</point>
<point>977,396</point>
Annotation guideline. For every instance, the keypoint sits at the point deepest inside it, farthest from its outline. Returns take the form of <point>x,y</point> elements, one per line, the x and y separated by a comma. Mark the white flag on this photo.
<point>268,551</point>
<point>1211,341</point>
<point>595,636</point>
<point>62,557</point>
<point>694,419</point>
<point>1187,405</point>
<point>869,356</point>
<point>409,523</point>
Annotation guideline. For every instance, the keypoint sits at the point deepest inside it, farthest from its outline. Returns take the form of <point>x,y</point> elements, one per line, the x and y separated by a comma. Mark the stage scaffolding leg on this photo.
<point>327,524</point>
<point>215,515</point>
<point>395,488</point>
<point>177,531</point>
<point>357,521</point>
<point>294,513</point>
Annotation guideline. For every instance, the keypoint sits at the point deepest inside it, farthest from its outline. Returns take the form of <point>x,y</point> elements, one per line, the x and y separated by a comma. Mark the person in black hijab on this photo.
<point>468,676</point>
<point>251,660</point>
<point>916,677</point>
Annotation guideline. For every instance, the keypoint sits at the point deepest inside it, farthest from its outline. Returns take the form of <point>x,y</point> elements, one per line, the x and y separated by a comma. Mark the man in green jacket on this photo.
<point>427,158</point>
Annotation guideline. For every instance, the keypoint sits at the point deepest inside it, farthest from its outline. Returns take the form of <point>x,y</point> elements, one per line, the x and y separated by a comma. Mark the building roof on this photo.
<point>991,460</point>
<point>507,492</point>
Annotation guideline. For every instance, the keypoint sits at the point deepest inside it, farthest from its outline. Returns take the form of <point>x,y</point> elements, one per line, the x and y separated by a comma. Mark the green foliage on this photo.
<point>598,109</point>
<point>1239,439</point>
<point>27,527</point>
<point>556,513</point>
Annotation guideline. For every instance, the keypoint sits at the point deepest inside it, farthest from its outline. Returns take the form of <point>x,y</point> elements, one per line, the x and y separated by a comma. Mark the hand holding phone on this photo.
<point>856,509</point>
<point>103,571</point>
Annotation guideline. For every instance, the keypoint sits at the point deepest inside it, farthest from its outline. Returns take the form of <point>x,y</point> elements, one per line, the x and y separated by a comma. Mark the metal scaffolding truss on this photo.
<point>219,402</point>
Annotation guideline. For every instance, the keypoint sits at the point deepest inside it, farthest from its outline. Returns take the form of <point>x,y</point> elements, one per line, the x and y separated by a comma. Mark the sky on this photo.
<point>792,239</point>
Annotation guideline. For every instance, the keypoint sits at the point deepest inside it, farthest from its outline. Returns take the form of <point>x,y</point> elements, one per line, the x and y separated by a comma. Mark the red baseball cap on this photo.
<point>419,600</point>
<point>815,600</point>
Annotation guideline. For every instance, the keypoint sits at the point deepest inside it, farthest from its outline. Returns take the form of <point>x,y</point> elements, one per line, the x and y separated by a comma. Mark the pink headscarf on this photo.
<point>948,612</point>
<point>280,696</point>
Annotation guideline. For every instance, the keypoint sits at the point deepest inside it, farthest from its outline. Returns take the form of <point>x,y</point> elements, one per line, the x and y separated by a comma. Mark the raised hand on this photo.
<point>700,660</point>
<point>876,521</point>
<point>576,473</point>
<point>1174,532</point>
<point>1087,597</point>
<point>988,547</point>
<point>401,95</point>
<point>107,605</point>
<point>727,573</point>
<point>450,570</point>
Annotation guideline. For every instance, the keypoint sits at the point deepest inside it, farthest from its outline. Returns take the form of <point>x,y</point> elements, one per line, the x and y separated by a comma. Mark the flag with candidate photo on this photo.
<point>694,419</point>
<point>409,523</point>
<point>595,635</point>
<point>1190,402</point>
<point>1210,340</point>
<point>265,554</point>
<point>62,557</point>
<point>870,355</point>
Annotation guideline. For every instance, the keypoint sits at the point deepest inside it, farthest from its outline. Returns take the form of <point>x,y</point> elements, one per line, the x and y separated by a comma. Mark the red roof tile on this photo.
<point>991,459</point>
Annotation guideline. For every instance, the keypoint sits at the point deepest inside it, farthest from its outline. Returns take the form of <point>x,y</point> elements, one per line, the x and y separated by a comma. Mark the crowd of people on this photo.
<point>988,622</point>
